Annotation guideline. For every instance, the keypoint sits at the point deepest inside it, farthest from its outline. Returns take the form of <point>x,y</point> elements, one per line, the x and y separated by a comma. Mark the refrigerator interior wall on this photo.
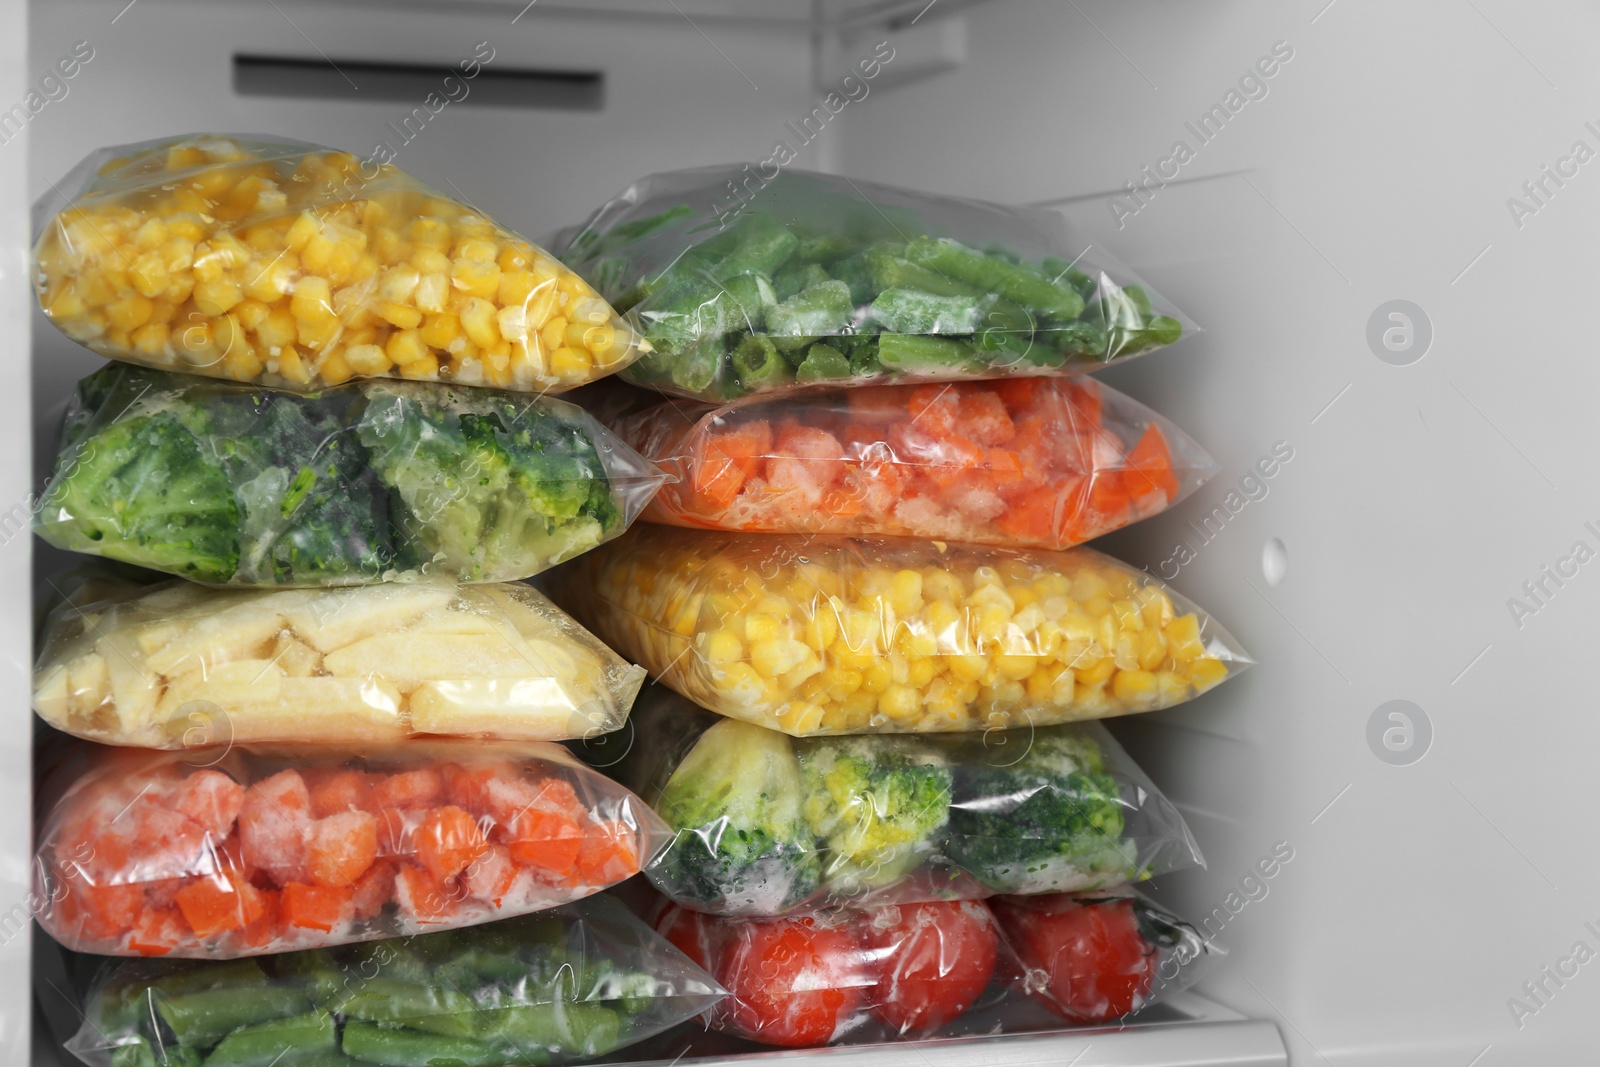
<point>1418,498</point>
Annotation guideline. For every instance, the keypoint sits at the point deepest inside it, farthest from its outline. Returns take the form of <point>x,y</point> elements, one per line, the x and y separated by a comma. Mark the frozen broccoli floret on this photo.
<point>1049,821</point>
<point>876,803</point>
<point>144,491</point>
<point>741,840</point>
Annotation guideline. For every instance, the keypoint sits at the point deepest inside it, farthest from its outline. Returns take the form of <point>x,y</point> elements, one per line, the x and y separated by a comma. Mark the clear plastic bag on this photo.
<point>830,635</point>
<point>820,279</point>
<point>574,983</point>
<point>226,852</point>
<point>764,824</point>
<point>286,264</point>
<point>373,481</point>
<point>1023,462</point>
<point>178,664</point>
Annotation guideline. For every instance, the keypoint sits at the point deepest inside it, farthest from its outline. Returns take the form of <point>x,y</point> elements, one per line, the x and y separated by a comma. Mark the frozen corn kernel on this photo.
<point>921,636</point>
<point>327,259</point>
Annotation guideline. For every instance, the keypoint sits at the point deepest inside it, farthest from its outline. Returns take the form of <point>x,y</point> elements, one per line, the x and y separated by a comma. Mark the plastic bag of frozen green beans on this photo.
<point>745,285</point>
<point>575,983</point>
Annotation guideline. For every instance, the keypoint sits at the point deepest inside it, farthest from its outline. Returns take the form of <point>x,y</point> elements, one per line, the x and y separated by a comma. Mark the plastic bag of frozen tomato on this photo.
<point>239,852</point>
<point>577,982</point>
<point>1025,462</point>
<point>281,263</point>
<point>856,974</point>
<point>818,279</point>
<point>825,634</point>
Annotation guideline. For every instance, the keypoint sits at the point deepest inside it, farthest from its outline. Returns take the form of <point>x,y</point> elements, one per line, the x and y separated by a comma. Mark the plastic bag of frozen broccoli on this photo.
<point>372,481</point>
<point>575,983</point>
<point>815,278</point>
<point>764,823</point>
<point>282,263</point>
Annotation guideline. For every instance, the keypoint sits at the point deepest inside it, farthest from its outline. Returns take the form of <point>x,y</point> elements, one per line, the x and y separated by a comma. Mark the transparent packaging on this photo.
<point>285,264</point>
<point>818,279</point>
<point>765,824</point>
<point>242,851</point>
<point>372,481</point>
<point>822,634</point>
<point>574,983</point>
<point>175,664</point>
<point>1023,462</point>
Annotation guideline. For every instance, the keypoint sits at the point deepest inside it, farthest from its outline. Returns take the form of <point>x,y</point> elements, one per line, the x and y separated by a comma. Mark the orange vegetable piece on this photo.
<point>1148,466</point>
<point>266,929</point>
<point>158,932</point>
<point>1083,399</point>
<point>338,791</point>
<point>449,839</point>
<point>341,847</point>
<point>409,789</point>
<point>984,418</point>
<point>467,787</point>
<point>728,458</point>
<point>956,454</point>
<point>315,907</point>
<point>423,897</point>
<point>934,409</point>
<point>106,911</point>
<point>545,840</point>
<point>212,800</point>
<point>272,823</point>
<point>490,876</point>
<point>509,797</point>
<point>1018,394</point>
<point>217,903</point>
<point>610,853</point>
<point>1031,517</point>
<point>374,889</point>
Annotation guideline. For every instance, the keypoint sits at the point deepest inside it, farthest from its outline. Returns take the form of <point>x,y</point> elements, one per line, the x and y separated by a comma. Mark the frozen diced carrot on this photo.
<point>158,932</point>
<point>374,890</point>
<point>261,933</point>
<point>447,840</point>
<point>509,797</point>
<point>467,786</point>
<point>934,409</point>
<point>338,790</point>
<point>610,853</point>
<point>984,417</point>
<point>746,445</point>
<point>167,842</point>
<point>341,847</point>
<point>211,799</point>
<point>1148,466</point>
<point>272,825</point>
<point>546,840</point>
<point>1082,397</point>
<point>218,903</point>
<point>955,455</point>
<point>422,897</point>
<point>489,877</point>
<point>314,907</point>
<point>395,828</point>
<point>420,788</point>
<point>106,911</point>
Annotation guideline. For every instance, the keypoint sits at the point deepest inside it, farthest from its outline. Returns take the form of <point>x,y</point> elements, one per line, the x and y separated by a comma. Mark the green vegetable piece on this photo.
<point>1050,821</point>
<point>796,277</point>
<point>823,363</point>
<point>143,490</point>
<point>198,975</point>
<point>824,247</point>
<point>910,312</point>
<point>137,1054</point>
<point>574,1030</point>
<point>853,271</point>
<point>741,838</point>
<point>762,247</point>
<point>918,354</point>
<point>759,365</point>
<point>1059,271</point>
<point>752,294</point>
<point>431,1007</point>
<point>684,316</point>
<point>891,271</point>
<point>200,1019</point>
<point>696,369</point>
<point>370,1043</point>
<point>1014,281</point>
<point>276,1043</point>
<point>876,802</point>
<point>818,311</point>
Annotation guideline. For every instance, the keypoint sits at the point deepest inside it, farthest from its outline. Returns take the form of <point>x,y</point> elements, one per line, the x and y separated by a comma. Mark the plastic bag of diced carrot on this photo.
<point>1027,462</point>
<point>220,854</point>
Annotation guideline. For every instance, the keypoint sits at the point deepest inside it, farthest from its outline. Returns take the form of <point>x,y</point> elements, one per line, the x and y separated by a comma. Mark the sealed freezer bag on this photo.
<point>873,974</point>
<point>178,664</point>
<point>574,983</point>
<point>819,279</point>
<point>372,481</point>
<point>764,823</point>
<point>227,852</point>
<point>1022,462</point>
<point>833,635</point>
<point>281,263</point>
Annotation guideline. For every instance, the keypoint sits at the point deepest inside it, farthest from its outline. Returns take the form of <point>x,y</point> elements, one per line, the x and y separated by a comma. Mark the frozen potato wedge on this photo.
<point>334,618</point>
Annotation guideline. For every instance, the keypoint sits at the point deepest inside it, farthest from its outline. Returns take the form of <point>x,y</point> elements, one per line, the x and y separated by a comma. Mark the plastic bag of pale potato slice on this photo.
<point>241,851</point>
<point>177,664</point>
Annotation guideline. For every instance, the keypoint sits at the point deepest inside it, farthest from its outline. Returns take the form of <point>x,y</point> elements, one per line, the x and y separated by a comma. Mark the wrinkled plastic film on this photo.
<point>831,635</point>
<point>228,852</point>
<point>299,267</point>
<point>1027,462</point>
<point>180,665</point>
<point>817,279</point>
<point>373,481</point>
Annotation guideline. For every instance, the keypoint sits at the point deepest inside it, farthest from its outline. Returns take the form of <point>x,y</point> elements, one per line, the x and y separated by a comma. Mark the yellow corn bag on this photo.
<point>299,267</point>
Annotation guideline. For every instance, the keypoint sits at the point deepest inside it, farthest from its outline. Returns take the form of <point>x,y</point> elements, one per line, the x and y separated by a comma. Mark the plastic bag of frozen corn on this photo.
<point>825,634</point>
<point>744,285</point>
<point>179,664</point>
<point>291,265</point>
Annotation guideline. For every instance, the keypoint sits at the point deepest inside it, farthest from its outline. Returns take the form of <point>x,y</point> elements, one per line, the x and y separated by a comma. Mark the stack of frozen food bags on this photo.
<point>884,458</point>
<point>324,408</point>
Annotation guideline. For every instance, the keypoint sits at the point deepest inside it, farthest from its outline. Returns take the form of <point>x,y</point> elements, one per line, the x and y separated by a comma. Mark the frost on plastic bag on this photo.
<point>764,823</point>
<point>1023,462</point>
<point>223,853</point>
<point>820,279</point>
<point>862,975</point>
<point>575,983</point>
<point>286,264</point>
<point>1094,957</point>
<point>179,664</point>
<point>830,635</point>
<point>373,481</point>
